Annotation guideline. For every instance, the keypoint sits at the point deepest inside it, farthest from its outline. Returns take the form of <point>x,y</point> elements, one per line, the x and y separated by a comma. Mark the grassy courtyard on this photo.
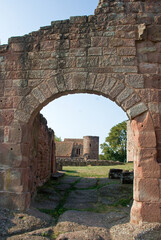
<point>94,171</point>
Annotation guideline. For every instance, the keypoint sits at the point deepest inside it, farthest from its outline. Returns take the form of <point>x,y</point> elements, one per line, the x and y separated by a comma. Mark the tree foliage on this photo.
<point>58,139</point>
<point>114,147</point>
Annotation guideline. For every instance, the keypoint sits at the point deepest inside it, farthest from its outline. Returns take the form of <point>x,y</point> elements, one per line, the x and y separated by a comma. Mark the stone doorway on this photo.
<point>114,53</point>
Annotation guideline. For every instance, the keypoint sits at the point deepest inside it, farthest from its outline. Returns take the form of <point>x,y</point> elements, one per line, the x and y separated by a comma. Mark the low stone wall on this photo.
<point>81,162</point>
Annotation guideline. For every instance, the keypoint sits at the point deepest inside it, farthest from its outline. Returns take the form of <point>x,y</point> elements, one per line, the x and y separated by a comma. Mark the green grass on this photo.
<point>94,171</point>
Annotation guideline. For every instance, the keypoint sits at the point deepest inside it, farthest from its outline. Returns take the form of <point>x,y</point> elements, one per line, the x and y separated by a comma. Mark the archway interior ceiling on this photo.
<point>115,53</point>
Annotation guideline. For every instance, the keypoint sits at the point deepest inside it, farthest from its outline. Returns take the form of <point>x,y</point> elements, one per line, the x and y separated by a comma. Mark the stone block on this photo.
<point>95,51</point>
<point>146,139</point>
<point>129,61</point>
<point>38,95</point>
<point>109,34</point>
<point>78,19</point>
<point>148,68</point>
<point>16,180</point>
<point>151,212</point>
<point>22,116</point>
<point>144,131</point>
<point>14,133</point>
<point>116,90</point>
<point>62,44</point>
<point>146,18</point>
<point>135,216</point>
<point>17,47</point>
<point>92,62</point>
<point>109,51</point>
<point>116,42</point>
<point>52,85</point>
<point>146,190</point>
<point>99,82</point>
<point>6,102</point>
<point>35,74</point>
<point>126,51</point>
<point>145,155</point>
<point>49,64</point>
<point>32,101</point>
<point>154,57</point>
<point>47,45</point>
<point>77,52</point>
<point>125,69</point>
<point>131,101</point>
<point>76,81</point>
<point>148,168</point>
<point>26,106</point>
<point>154,33</point>
<point>45,90</point>
<point>15,201</point>
<point>135,80</point>
<point>136,110</point>
<point>124,94</point>
<point>81,62</point>
<point>146,49</point>
<point>12,155</point>
<point>109,61</point>
<point>99,41</point>
<point>70,62</point>
<point>90,81</point>
<point>108,85</point>
<point>60,82</point>
<point>129,42</point>
<point>145,212</point>
<point>143,123</point>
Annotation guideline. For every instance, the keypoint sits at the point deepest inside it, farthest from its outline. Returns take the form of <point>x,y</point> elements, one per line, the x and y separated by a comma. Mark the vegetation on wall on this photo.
<point>58,139</point>
<point>114,147</point>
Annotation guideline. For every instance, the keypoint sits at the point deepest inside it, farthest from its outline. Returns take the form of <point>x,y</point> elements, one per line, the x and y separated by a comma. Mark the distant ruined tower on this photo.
<point>91,147</point>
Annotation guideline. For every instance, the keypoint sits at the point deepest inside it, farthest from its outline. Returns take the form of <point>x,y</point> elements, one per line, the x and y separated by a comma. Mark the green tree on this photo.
<point>114,147</point>
<point>58,139</point>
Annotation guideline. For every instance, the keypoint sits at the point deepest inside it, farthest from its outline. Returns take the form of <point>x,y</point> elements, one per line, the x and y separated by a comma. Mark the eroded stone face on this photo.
<point>114,53</point>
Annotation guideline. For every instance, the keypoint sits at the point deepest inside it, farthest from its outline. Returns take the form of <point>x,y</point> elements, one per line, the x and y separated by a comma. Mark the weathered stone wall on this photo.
<point>41,153</point>
<point>114,53</point>
<point>82,162</point>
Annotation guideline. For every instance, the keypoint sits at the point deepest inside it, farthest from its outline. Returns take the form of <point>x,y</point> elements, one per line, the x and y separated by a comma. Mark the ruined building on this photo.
<point>115,53</point>
<point>87,148</point>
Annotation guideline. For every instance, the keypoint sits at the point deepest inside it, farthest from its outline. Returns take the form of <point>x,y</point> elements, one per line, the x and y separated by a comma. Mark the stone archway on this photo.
<point>114,53</point>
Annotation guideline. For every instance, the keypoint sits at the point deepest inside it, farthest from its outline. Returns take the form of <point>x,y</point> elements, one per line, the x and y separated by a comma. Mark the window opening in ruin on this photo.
<point>78,151</point>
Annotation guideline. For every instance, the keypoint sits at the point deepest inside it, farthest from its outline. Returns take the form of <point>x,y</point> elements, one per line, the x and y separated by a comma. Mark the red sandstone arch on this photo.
<point>114,53</point>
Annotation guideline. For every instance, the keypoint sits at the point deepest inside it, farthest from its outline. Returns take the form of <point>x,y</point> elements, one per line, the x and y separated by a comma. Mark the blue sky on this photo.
<point>72,116</point>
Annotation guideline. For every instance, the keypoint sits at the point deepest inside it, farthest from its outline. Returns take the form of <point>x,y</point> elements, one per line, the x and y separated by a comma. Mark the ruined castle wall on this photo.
<point>41,154</point>
<point>115,53</point>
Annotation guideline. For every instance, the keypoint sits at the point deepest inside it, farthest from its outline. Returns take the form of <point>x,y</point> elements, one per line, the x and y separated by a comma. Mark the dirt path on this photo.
<point>74,208</point>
